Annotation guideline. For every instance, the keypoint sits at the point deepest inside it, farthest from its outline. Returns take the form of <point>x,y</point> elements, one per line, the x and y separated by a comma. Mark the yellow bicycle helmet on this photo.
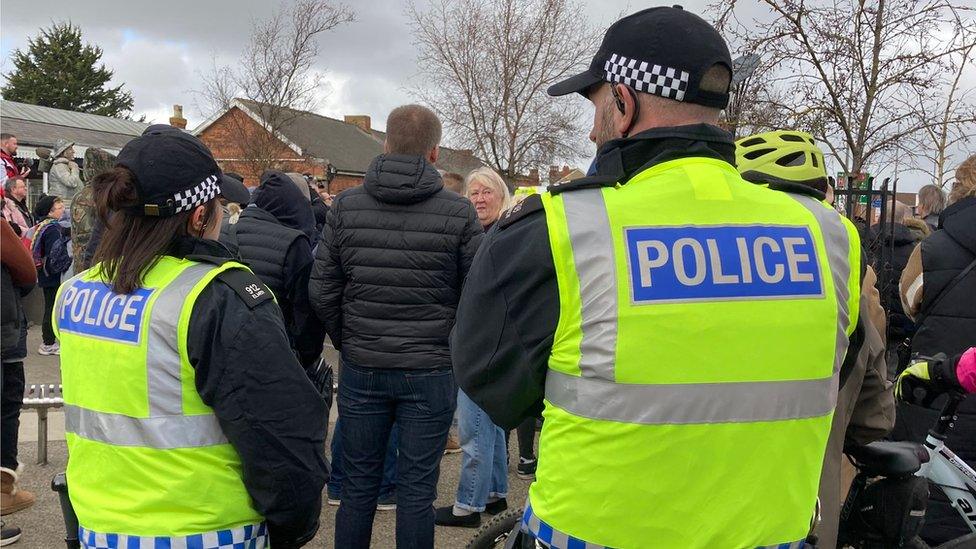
<point>781,156</point>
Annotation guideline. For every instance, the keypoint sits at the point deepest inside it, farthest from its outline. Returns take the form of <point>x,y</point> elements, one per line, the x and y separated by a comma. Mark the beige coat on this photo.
<point>910,285</point>
<point>64,179</point>
<point>865,411</point>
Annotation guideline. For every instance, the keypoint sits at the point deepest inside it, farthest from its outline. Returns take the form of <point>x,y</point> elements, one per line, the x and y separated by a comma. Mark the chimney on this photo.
<point>554,174</point>
<point>534,176</point>
<point>177,119</point>
<point>360,120</point>
<point>565,173</point>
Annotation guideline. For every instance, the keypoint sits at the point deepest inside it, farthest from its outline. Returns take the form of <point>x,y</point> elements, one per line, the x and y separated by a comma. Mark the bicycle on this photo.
<point>496,533</point>
<point>878,463</point>
<point>908,467</point>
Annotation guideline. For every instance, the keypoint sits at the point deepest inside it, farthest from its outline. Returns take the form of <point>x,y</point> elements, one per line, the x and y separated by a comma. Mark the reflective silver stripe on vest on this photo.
<point>166,427</point>
<point>593,254</point>
<point>163,357</point>
<point>163,433</point>
<point>662,404</point>
<point>838,246</point>
<point>595,395</point>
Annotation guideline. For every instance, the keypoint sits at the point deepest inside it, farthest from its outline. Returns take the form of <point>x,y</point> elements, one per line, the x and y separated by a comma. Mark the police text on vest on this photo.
<point>722,262</point>
<point>93,309</point>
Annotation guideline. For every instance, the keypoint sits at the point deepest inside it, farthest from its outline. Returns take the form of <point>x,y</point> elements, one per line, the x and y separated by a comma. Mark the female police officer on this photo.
<point>189,420</point>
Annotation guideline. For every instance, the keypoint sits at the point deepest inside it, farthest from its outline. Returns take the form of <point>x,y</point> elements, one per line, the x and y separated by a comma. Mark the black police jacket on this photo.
<point>265,404</point>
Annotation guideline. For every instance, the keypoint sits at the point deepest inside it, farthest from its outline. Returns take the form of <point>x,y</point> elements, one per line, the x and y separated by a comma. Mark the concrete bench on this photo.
<point>42,397</point>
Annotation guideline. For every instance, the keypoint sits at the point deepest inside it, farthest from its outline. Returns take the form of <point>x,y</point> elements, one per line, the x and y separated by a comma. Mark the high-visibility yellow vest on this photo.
<point>146,457</point>
<point>693,375</point>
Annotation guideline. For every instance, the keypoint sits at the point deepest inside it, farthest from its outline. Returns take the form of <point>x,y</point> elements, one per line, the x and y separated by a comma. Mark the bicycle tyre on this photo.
<point>494,533</point>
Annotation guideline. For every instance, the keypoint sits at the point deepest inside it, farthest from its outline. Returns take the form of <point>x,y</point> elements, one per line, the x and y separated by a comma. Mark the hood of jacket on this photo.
<point>959,222</point>
<point>279,196</point>
<point>902,234</point>
<point>402,179</point>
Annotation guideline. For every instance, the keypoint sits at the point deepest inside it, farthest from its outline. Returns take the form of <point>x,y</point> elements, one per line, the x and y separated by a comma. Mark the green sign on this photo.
<point>860,181</point>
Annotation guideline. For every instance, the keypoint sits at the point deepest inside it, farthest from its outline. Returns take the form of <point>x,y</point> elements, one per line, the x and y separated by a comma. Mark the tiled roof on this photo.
<point>45,125</point>
<point>345,145</point>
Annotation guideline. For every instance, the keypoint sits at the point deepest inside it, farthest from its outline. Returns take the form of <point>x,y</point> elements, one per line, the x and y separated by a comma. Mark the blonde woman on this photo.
<point>931,202</point>
<point>489,194</point>
<point>483,485</point>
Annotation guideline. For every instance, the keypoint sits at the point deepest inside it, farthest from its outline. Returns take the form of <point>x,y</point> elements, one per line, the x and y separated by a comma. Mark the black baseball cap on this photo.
<point>663,51</point>
<point>175,172</point>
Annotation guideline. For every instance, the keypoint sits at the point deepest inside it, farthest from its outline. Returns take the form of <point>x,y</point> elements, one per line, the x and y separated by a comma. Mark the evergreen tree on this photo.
<point>59,71</point>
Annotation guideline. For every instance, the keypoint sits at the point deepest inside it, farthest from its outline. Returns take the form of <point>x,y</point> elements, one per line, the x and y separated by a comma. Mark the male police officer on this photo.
<point>684,327</point>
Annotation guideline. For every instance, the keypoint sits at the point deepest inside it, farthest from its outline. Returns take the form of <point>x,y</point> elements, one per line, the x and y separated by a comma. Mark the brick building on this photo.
<point>556,175</point>
<point>338,151</point>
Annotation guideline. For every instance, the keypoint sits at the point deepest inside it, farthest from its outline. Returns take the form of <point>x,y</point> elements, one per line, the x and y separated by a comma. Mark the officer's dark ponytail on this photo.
<point>132,244</point>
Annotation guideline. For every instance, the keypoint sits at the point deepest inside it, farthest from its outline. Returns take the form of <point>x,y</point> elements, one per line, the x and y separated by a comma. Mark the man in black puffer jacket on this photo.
<point>273,237</point>
<point>386,281</point>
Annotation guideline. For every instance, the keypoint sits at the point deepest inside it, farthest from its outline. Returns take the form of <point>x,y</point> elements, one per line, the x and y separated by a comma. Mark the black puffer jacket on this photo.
<point>949,327</point>
<point>272,238</point>
<point>265,245</point>
<point>320,210</point>
<point>389,267</point>
<point>889,253</point>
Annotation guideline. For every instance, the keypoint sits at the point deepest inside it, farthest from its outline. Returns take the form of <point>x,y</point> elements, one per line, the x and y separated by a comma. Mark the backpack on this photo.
<point>58,260</point>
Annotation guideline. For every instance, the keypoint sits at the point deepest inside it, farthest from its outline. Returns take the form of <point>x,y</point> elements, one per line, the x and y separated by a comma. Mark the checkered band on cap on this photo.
<point>203,192</point>
<point>646,77</point>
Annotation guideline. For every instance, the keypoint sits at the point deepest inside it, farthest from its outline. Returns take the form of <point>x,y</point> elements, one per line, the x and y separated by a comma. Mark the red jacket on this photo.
<point>8,164</point>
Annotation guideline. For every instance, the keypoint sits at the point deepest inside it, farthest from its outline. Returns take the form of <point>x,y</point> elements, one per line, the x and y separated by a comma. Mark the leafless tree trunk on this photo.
<point>846,70</point>
<point>485,66</point>
<point>275,75</point>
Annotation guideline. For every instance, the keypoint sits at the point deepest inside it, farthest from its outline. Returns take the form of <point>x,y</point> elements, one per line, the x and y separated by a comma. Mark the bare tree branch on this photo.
<point>277,74</point>
<point>486,66</point>
<point>853,72</point>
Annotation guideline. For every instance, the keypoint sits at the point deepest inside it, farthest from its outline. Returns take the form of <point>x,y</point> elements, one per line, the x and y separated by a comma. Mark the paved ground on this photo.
<point>42,523</point>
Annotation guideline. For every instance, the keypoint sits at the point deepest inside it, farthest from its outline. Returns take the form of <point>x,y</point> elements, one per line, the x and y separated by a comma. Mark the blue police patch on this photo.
<point>701,263</point>
<point>93,309</point>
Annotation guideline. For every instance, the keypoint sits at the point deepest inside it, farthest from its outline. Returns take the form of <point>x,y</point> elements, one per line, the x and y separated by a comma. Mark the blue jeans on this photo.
<point>371,401</point>
<point>387,486</point>
<point>484,461</point>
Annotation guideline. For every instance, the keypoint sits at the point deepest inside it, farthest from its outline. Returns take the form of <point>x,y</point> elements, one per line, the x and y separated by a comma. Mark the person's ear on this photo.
<point>625,102</point>
<point>386,147</point>
<point>195,225</point>
<point>432,155</point>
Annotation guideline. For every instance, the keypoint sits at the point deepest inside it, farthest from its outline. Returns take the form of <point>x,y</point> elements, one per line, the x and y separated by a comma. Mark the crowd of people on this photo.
<point>696,330</point>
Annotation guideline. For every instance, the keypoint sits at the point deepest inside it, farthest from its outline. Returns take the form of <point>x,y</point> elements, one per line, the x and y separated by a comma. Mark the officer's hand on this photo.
<point>320,374</point>
<point>913,382</point>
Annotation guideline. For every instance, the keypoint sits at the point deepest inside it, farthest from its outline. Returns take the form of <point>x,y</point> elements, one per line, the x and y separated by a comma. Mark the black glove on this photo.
<point>282,537</point>
<point>320,374</point>
<point>926,379</point>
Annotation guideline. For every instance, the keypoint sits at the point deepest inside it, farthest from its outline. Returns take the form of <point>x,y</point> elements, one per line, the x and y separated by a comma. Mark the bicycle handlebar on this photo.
<point>947,415</point>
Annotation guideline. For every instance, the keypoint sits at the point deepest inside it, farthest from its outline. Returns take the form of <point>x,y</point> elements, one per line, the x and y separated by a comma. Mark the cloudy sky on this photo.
<point>160,49</point>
